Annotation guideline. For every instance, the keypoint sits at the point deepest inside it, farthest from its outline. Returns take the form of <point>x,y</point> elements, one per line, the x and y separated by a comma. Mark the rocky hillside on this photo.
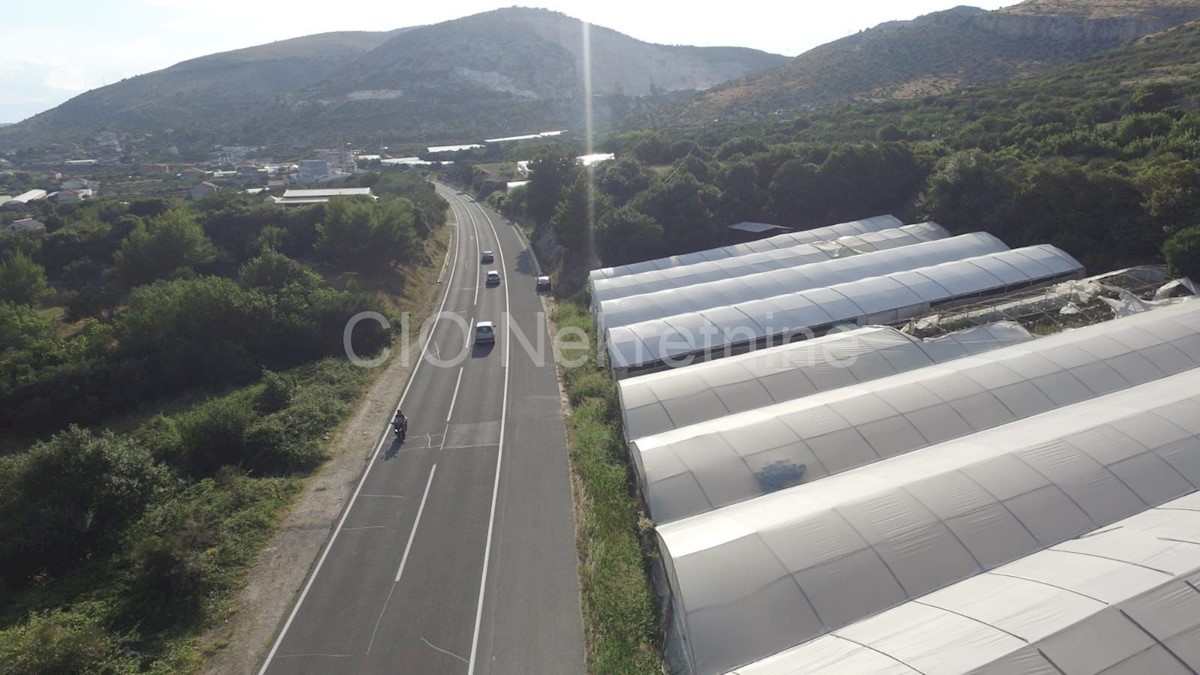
<point>507,71</point>
<point>940,52</point>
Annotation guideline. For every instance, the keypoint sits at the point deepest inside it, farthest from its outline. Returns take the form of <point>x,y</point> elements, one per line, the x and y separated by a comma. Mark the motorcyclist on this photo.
<point>400,422</point>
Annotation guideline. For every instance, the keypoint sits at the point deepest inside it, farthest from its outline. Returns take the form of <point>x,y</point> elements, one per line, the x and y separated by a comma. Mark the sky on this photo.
<point>54,51</point>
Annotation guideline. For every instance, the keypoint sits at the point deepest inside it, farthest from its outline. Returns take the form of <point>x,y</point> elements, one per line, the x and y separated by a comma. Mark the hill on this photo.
<point>510,70</point>
<point>941,52</point>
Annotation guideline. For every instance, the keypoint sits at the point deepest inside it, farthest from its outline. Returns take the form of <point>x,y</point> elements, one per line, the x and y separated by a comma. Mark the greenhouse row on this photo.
<point>776,259</point>
<point>764,575</point>
<point>873,224</point>
<point>833,494</point>
<point>738,289</point>
<point>686,338</point>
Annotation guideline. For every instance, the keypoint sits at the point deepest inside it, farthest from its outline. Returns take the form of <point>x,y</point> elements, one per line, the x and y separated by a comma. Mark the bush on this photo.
<point>276,392</point>
<point>1182,251</point>
<point>57,642</point>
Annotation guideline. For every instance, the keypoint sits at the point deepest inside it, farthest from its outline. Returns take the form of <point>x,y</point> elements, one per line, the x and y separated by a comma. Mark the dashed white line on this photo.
<point>412,535</point>
<point>455,396</point>
<point>487,550</point>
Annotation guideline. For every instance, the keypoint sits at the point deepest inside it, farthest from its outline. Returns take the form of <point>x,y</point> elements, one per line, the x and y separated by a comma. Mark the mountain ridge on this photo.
<point>504,71</point>
<point>939,52</point>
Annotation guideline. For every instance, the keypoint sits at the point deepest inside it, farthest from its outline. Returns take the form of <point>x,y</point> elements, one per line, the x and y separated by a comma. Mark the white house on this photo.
<point>301,197</point>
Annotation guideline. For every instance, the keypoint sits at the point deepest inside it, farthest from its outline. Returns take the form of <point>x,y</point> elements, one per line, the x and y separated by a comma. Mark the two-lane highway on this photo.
<point>456,552</point>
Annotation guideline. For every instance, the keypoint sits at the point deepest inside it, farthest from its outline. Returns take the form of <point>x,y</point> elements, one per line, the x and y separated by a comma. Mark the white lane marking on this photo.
<point>453,252</point>
<point>413,535</point>
<point>439,649</point>
<point>455,397</point>
<point>487,551</point>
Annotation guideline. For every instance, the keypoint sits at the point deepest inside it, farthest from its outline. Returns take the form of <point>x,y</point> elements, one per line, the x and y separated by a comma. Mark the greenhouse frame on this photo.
<point>680,397</point>
<point>1121,601</point>
<point>756,578</point>
<point>765,261</point>
<point>698,468</point>
<point>687,338</point>
<point>730,291</point>
<point>872,224</point>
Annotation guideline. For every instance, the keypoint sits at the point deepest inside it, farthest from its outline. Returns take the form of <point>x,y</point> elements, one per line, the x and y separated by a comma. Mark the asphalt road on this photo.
<point>456,553</point>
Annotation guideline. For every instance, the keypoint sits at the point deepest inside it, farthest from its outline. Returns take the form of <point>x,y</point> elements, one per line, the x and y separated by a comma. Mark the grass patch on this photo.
<point>620,623</point>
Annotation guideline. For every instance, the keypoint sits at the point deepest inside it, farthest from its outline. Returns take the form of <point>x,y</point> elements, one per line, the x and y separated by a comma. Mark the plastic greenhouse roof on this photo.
<point>1123,600</point>
<point>725,460</point>
<point>734,290</point>
<point>680,397</point>
<point>758,577</point>
<point>765,261</point>
<point>884,299</point>
<point>873,224</point>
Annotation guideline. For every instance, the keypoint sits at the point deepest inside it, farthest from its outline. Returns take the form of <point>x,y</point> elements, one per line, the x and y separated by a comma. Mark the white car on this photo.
<point>485,332</point>
<point>493,278</point>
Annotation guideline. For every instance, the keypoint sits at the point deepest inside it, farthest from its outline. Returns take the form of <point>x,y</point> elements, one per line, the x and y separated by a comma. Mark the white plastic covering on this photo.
<point>730,291</point>
<point>680,397</point>
<point>758,577</point>
<point>877,300</point>
<point>765,261</point>
<point>873,224</point>
<point>1123,600</point>
<point>704,466</point>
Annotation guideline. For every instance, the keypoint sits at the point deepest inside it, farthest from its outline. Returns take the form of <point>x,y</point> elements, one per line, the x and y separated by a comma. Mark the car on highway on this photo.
<point>487,257</point>
<point>485,332</point>
<point>543,284</point>
<point>493,278</point>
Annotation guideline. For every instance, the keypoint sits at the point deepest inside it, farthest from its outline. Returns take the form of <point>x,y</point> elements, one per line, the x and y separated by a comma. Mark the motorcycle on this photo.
<point>401,431</point>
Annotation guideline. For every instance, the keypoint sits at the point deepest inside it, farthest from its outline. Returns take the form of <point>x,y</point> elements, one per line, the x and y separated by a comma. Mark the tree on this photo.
<point>687,210</point>
<point>22,281</point>
<point>794,194</point>
<point>273,271</point>
<point>623,180</point>
<point>1182,252</point>
<point>170,243</point>
<point>972,191</point>
<point>627,235</point>
<point>549,174</point>
<point>574,215</point>
<point>744,200</point>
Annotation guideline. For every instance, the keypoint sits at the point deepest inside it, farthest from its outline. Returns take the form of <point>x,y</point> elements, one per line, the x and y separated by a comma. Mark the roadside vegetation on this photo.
<point>172,373</point>
<point>618,602</point>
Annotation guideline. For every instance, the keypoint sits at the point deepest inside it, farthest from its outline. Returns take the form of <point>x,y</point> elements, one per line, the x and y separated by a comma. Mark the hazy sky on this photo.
<point>53,51</point>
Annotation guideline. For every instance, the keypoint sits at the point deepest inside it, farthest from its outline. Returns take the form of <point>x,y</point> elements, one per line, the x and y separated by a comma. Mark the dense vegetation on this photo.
<point>1099,159</point>
<point>170,376</point>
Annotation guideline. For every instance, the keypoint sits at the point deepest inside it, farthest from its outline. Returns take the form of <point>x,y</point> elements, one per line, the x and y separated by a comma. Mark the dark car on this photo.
<point>487,257</point>
<point>543,284</point>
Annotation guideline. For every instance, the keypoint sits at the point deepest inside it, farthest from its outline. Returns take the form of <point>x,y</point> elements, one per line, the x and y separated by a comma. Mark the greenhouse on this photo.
<point>775,259</point>
<point>727,292</point>
<point>1121,601</point>
<point>873,224</point>
<point>685,338</point>
<point>680,397</point>
<point>698,468</point>
<point>756,578</point>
